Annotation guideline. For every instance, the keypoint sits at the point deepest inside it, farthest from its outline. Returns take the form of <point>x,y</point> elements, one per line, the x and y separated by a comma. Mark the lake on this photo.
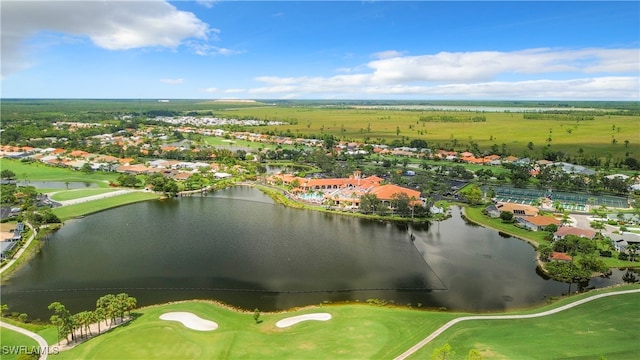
<point>238,247</point>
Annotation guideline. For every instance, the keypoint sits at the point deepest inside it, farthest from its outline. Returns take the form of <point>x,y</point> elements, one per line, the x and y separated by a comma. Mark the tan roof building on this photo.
<point>518,209</point>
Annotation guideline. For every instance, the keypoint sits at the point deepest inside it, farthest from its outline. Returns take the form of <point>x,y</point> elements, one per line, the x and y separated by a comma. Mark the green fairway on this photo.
<point>357,331</point>
<point>79,193</point>
<point>609,327</point>
<point>40,172</point>
<point>71,211</point>
<point>9,340</point>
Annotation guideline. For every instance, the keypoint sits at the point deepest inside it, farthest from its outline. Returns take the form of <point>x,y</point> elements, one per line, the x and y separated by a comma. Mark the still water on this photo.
<point>238,247</point>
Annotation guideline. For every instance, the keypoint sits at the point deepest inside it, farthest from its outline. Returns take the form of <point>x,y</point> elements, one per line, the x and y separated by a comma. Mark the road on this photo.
<point>451,323</point>
<point>21,250</point>
<point>42,343</point>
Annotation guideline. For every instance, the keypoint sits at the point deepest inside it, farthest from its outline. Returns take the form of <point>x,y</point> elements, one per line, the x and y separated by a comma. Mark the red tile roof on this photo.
<point>558,256</point>
<point>569,230</point>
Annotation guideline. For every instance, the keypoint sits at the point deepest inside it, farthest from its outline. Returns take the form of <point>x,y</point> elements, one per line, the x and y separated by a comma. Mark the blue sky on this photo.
<point>321,50</point>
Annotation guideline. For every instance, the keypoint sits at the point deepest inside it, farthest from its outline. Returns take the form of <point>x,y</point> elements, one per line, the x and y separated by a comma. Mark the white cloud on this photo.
<point>584,74</point>
<point>210,90</point>
<point>204,49</point>
<point>172,81</point>
<point>386,54</point>
<point>112,25</point>
<point>485,65</point>
<point>206,3</point>
<point>234,91</point>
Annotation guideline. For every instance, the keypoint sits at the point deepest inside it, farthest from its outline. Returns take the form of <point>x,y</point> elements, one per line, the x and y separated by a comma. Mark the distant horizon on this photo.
<point>406,50</point>
<point>247,100</point>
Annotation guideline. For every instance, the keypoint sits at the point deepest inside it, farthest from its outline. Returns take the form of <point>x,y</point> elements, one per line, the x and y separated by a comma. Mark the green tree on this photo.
<point>506,216</point>
<point>442,353</point>
<point>107,305</point>
<point>369,203</point>
<point>86,168</point>
<point>545,252</point>
<point>597,225</point>
<point>7,174</point>
<point>474,355</point>
<point>400,201</point>
<point>63,320</point>
<point>256,315</point>
<point>23,317</point>
<point>473,194</point>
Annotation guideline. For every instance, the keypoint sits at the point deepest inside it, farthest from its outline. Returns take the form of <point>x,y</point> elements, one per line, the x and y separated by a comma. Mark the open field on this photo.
<point>40,172</point>
<point>593,136</point>
<point>604,327</point>
<point>356,331</point>
<point>10,338</point>
<point>85,208</point>
<point>78,193</point>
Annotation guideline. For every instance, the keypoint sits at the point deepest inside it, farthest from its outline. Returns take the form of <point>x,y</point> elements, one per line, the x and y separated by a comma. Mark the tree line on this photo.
<point>109,308</point>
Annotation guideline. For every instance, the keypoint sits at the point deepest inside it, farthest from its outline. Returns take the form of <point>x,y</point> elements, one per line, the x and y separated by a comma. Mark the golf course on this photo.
<point>604,327</point>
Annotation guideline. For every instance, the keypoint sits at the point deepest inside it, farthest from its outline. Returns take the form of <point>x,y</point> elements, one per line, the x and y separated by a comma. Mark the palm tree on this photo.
<point>597,225</point>
<point>98,316</point>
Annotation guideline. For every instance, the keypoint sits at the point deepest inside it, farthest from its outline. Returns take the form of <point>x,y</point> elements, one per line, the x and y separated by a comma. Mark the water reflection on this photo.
<point>238,247</point>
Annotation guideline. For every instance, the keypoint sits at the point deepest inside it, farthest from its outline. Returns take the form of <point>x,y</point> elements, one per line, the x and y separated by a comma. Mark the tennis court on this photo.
<point>569,201</point>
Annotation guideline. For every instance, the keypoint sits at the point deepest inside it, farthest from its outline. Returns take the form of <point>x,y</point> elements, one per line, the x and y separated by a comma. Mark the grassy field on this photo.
<point>607,327</point>
<point>593,136</point>
<point>604,327</point>
<point>475,214</point>
<point>354,331</point>
<point>9,338</point>
<point>71,211</point>
<point>78,193</point>
<point>40,172</point>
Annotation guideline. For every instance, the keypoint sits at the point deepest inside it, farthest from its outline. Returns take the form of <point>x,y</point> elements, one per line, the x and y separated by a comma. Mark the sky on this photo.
<point>385,50</point>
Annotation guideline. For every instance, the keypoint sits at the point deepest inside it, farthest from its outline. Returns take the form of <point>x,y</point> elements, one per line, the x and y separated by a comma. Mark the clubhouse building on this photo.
<point>345,192</point>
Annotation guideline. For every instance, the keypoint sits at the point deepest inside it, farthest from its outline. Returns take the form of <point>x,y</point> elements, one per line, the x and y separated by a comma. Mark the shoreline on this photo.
<point>535,244</point>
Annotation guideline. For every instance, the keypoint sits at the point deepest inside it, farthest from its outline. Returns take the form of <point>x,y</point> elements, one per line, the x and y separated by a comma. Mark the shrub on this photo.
<point>605,253</point>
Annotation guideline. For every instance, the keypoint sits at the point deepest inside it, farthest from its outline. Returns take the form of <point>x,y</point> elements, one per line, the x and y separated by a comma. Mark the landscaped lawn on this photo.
<point>606,327</point>
<point>10,340</point>
<point>71,211</point>
<point>355,331</point>
<point>37,171</point>
<point>79,193</point>
<point>609,327</point>
<point>475,214</point>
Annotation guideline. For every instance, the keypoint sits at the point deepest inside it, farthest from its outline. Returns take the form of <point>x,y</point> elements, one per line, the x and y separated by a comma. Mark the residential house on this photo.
<point>560,256</point>
<point>536,223</point>
<point>570,230</point>
<point>518,209</point>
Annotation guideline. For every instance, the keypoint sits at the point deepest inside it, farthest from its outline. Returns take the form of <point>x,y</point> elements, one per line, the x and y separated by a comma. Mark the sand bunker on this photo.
<point>296,319</point>
<point>190,320</point>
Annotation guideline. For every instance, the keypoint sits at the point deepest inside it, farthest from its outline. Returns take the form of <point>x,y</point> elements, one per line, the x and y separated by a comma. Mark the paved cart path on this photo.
<point>446,326</point>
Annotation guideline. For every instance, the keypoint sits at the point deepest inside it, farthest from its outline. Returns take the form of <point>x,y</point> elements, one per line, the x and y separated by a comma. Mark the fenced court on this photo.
<point>569,201</point>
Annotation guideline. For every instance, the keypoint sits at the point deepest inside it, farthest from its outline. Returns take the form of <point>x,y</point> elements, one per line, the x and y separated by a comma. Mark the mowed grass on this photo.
<point>606,327</point>
<point>609,327</point>
<point>10,339</point>
<point>355,331</point>
<point>40,172</point>
<point>78,193</point>
<point>593,136</point>
<point>85,208</point>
